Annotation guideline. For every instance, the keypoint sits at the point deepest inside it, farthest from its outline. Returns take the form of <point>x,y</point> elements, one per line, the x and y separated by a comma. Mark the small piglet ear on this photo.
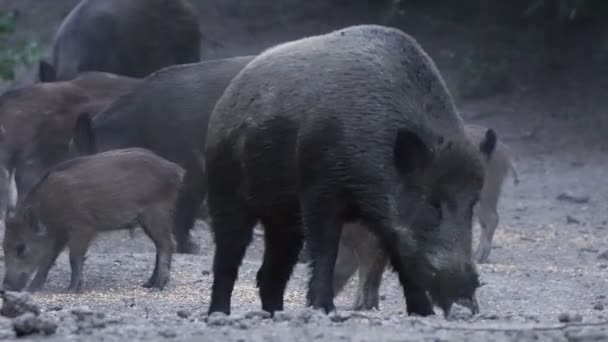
<point>488,144</point>
<point>410,152</point>
<point>46,72</point>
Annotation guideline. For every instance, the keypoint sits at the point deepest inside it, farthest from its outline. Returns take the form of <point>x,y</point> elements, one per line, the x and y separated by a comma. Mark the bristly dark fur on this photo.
<point>132,38</point>
<point>168,114</point>
<point>353,125</point>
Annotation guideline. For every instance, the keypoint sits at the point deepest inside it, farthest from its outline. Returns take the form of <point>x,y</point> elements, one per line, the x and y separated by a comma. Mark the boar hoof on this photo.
<point>75,289</point>
<point>156,284</point>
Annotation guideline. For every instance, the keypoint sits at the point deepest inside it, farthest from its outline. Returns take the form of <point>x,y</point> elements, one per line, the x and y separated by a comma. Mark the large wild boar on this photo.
<point>132,38</point>
<point>165,114</point>
<point>37,121</point>
<point>353,125</point>
<point>80,197</point>
<point>360,249</point>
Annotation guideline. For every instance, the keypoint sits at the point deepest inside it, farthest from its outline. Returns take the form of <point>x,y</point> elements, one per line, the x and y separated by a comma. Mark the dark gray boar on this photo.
<point>165,114</point>
<point>132,38</point>
<point>37,122</point>
<point>353,125</point>
<point>361,250</point>
<point>80,197</point>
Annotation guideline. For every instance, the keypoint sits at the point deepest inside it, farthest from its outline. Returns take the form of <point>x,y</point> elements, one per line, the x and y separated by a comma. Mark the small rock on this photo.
<point>82,312</point>
<point>205,273</point>
<point>599,307</point>
<point>603,255</point>
<point>567,197</point>
<point>565,317</point>
<point>236,317</point>
<point>218,319</point>
<point>56,307</point>
<point>382,297</point>
<point>17,303</point>
<point>603,266</point>
<point>183,313</point>
<point>260,314</point>
<point>168,333</point>
<point>29,324</point>
<point>282,316</point>
<point>572,220</point>
<point>243,325</point>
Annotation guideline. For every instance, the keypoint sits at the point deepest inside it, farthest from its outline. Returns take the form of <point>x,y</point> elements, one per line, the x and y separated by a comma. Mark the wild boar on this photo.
<point>165,115</point>
<point>353,125</point>
<point>37,122</point>
<point>80,197</point>
<point>360,249</point>
<point>131,38</point>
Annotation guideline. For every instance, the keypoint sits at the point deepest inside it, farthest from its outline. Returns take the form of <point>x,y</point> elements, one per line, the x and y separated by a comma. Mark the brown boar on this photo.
<point>80,197</point>
<point>37,123</point>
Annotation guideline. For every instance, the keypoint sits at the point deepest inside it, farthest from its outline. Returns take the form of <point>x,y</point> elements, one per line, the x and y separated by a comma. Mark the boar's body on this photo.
<point>165,115</point>
<point>37,122</point>
<point>353,125</point>
<point>80,197</point>
<point>360,250</point>
<point>132,38</point>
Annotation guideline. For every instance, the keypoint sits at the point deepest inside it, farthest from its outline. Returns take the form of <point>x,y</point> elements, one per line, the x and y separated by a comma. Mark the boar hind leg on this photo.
<point>78,245</point>
<point>322,221</point>
<point>372,262</point>
<point>283,242</point>
<point>45,265</point>
<point>232,231</point>
<point>488,219</point>
<point>157,225</point>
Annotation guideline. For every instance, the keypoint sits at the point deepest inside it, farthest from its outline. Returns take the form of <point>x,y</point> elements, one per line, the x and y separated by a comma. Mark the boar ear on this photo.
<point>488,144</point>
<point>46,72</point>
<point>411,152</point>
<point>84,138</point>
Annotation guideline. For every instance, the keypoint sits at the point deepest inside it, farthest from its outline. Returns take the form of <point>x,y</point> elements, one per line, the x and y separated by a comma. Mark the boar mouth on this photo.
<point>16,283</point>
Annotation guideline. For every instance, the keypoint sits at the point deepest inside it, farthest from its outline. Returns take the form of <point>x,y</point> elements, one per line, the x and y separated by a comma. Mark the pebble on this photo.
<point>260,314</point>
<point>565,317</point>
<point>56,307</point>
<point>168,333</point>
<point>183,313</point>
<point>282,316</point>
<point>599,307</point>
<point>218,319</point>
<point>29,324</point>
<point>17,303</point>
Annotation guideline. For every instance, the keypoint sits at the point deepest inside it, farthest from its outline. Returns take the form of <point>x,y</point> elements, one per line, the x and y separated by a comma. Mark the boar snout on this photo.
<point>15,281</point>
<point>454,283</point>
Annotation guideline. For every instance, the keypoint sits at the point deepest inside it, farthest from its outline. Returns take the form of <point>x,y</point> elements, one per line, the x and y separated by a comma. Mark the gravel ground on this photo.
<point>548,271</point>
<point>547,277</point>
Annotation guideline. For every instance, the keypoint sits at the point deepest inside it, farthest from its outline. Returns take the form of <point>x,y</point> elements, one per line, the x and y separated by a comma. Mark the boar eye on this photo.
<point>20,249</point>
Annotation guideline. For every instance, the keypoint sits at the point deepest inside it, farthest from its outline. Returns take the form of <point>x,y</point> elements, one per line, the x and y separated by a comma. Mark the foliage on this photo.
<point>24,53</point>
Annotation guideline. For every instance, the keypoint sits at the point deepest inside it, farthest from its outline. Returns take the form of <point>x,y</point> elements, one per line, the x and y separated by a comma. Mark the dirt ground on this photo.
<point>549,260</point>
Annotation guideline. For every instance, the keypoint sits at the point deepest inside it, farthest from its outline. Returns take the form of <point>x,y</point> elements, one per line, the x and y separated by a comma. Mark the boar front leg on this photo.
<point>78,244</point>
<point>45,265</point>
